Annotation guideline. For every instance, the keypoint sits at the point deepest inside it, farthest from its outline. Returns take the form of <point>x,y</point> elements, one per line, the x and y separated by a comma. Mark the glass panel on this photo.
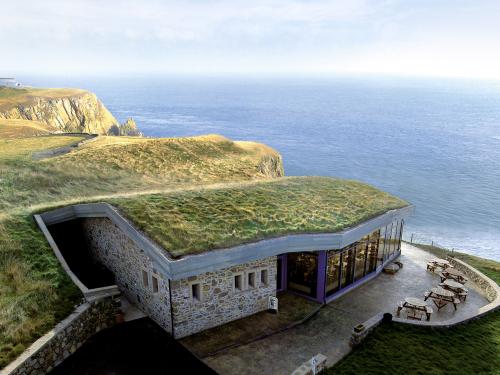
<point>380,247</point>
<point>387,246</point>
<point>396,239</point>
<point>371,259</point>
<point>359,268</point>
<point>347,266</point>
<point>393,238</point>
<point>401,234</point>
<point>333,272</point>
<point>303,273</point>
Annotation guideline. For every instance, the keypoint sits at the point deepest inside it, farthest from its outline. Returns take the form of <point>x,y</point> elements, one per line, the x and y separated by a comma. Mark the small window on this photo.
<point>263,277</point>
<point>195,292</point>
<point>155,283</point>
<point>237,282</point>
<point>251,279</point>
<point>145,278</point>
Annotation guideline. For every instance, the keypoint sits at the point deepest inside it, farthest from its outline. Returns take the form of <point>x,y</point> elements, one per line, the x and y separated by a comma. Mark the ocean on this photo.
<point>434,143</point>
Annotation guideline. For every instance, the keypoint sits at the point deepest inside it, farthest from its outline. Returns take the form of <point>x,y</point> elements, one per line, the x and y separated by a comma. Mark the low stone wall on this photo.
<point>67,336</point>
<point>486,286</point>
<point>369,326</point>
<point>483,283</point>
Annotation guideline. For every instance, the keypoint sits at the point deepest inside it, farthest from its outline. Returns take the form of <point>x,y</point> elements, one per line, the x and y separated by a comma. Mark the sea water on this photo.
<point>434,143</point>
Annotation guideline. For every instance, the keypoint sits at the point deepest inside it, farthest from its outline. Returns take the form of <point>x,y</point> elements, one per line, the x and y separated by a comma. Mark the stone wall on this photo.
<point>127,261</point>
<point>52,348</point>
<point>219,301</point>
<point>487,286</point>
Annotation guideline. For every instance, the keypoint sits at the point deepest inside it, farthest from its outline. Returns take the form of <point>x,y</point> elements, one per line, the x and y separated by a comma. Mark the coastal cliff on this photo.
<point>61,111</point>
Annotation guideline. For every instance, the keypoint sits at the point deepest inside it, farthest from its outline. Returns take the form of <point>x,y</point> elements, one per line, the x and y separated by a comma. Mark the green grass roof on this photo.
<point>192,222</point>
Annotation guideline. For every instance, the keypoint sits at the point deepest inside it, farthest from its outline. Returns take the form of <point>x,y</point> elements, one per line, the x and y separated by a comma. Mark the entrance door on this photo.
<point>302,270</point>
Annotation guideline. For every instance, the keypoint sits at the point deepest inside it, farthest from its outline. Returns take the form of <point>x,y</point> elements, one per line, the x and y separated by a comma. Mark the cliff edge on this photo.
<point>60,110</point>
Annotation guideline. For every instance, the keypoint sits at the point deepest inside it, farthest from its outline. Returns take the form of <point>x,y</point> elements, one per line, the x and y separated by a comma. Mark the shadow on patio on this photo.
<point>293,310</point>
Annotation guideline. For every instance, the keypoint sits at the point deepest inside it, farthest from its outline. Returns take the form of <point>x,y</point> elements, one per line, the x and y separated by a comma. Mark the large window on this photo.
<point>333,272</point>
<point>303,273</point>
<point>360,258</point>
<point>347,266</point>
<point>371,255</point>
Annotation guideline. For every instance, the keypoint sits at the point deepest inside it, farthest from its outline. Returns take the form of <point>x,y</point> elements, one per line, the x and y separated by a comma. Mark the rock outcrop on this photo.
<point>61,110</point>
<point>128,128</point>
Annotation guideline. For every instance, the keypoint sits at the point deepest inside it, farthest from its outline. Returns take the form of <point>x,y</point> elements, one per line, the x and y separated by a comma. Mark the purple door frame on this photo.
<point>321,284</point>
<point>284,272</point>
<point>321,278</point>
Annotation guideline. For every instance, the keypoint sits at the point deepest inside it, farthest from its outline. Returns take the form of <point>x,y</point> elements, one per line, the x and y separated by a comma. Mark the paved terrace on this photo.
<point>329,332</point>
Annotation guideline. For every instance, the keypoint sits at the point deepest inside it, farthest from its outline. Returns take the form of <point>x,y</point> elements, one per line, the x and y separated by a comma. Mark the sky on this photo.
<point>452,38</point>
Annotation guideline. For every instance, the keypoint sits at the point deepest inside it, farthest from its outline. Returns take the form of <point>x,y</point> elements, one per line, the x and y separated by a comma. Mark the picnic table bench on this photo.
<point>460,291</point>
<point>416,308</point>
<point>441,297</point>
<point>438,263</point>
<point>454,275</point>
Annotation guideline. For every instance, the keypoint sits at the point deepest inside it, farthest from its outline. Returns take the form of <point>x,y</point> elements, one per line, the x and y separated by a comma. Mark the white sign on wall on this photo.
<point>273,303</point>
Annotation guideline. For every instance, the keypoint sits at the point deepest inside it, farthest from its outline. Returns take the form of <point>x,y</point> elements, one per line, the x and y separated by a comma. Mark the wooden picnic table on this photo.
<point>456,287</point>
<point>438,262</point>
<point>416,308</point>
<point>441,297</point>
<point>453,274</point>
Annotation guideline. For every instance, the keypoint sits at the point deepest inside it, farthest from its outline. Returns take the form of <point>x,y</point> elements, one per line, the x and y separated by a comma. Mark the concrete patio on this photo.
<point>330,330</point>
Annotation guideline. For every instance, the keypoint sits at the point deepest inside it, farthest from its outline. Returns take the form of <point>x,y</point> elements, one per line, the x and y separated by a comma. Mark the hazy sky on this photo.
<point>420,37</point>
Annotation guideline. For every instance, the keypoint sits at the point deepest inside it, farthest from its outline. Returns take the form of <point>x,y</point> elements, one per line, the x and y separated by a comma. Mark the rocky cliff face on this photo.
<point>272,165</point>
<point>80,111</point>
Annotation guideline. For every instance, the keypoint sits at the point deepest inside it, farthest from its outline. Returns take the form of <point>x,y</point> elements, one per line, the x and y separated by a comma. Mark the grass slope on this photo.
<point>196,221</point>
<point>472,348</point>
<point>35,293</point>
<point>10,97</point>
<point>21,128</point>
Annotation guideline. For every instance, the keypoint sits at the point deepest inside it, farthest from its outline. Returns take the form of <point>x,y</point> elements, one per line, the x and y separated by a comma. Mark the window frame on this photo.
<point>252,285</point>
<point>242,281</point>
<point>145,278</point>
<point>261,272</point>
<point>199,298</point>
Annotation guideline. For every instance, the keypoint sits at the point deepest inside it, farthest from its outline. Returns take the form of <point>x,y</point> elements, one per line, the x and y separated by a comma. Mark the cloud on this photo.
<point>257,36</point>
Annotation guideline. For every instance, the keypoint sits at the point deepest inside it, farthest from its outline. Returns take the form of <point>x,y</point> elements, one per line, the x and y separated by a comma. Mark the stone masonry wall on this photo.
<point>219,301</point>
<point>52,348</point>
<point>127,261</point>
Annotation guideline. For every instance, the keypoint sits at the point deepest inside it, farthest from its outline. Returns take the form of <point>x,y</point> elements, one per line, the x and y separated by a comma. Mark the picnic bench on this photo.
<point>460,291</point>
<point>441,297</point>
<point>438,263</point>
<point>415,308</point>
<point>453,274</point>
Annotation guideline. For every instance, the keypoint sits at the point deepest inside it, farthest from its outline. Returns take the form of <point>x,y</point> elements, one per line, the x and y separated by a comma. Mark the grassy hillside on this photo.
<point>472,348</point>
<point>10,129</point>
<point>34,291</point>
<point>191,222</point>
<point>27,96</point>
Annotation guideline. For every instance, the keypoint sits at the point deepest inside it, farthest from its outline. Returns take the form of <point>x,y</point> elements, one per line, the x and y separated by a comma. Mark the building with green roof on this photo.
<point>199,258</point>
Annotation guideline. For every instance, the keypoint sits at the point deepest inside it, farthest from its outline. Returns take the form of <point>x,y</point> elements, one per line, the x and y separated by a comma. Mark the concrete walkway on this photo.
<point>329,332</point>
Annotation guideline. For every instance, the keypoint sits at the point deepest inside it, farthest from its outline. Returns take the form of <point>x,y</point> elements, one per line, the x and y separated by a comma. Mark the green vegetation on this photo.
<point>190,222</point>
<point>35,293</point>
<point>472,348</point>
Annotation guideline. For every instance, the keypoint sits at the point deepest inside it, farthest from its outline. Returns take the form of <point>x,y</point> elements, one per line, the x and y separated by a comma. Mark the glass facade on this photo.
<point>323,273</point>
